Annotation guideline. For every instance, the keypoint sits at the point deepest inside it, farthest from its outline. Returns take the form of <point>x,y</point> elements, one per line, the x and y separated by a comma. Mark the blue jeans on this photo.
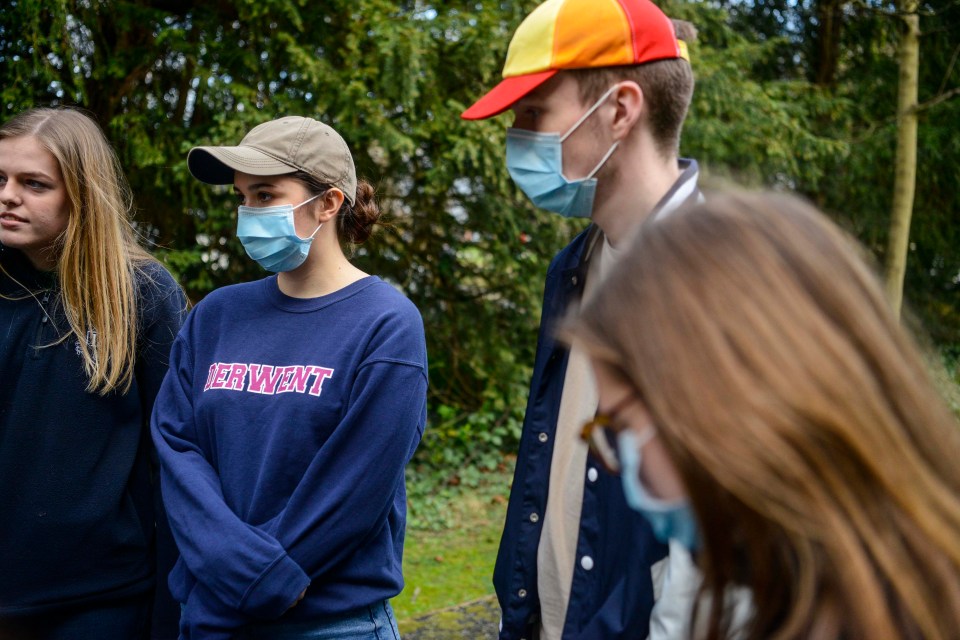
<point>127,619</point>
<point>375,622</point>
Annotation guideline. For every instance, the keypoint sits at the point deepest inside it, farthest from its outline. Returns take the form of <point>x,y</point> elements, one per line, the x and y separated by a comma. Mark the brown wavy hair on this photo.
<point>667,87</point>
<point>822,464</point>
<point>355,221</point>
<point>97,254</point>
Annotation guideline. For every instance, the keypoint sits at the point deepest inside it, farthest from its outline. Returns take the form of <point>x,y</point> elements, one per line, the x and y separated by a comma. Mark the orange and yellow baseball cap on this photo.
<point>578,34</point>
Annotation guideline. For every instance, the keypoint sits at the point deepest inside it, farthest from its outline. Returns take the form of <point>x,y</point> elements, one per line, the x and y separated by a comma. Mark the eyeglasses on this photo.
<point>602,439</point>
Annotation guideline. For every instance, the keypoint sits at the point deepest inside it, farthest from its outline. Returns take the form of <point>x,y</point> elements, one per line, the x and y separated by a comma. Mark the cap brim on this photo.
<point>216,165</point>
<point>502,96</point>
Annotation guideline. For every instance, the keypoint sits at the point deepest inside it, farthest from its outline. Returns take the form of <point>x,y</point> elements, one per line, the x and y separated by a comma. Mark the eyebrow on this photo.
<point>526,101</point>
<point>35,174</point>
<point>254,187</point>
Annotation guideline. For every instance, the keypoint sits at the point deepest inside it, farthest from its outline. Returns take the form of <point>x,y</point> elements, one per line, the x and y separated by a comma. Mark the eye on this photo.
<point>526,116</point>
<point>36,185</point>
<point>263,196</point>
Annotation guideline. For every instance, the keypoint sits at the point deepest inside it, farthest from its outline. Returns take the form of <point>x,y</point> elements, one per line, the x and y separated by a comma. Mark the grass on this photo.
<point>451,544</point>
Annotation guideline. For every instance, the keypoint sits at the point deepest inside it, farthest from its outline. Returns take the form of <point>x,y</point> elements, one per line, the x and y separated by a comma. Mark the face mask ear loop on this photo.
<point>307,200</point>
<point>649,433</point>
<point>602,160</point>
<point>310,237</point>
<point>596,105</point>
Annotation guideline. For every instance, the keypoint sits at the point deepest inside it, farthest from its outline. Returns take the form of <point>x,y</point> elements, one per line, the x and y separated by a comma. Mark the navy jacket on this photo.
<point>612,598</point>
<point>612,593</point>
<point>80,515</point>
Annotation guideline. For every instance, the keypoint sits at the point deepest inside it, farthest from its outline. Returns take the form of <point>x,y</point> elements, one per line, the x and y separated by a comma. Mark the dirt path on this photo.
<point>476,620</point>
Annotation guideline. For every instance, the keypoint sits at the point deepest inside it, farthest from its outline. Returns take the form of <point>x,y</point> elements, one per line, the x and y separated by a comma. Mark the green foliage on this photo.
<point>844,52</point>
<point>452,539</point>
<point>751,130</point>
<point>392,76</point>
<point>949,375</point>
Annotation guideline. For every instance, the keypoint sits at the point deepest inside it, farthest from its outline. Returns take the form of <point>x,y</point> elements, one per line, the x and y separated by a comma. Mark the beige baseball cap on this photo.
<point>289,144</point>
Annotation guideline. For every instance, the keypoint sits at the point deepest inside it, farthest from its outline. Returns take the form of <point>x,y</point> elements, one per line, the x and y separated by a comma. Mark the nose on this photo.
<point>7,195</point>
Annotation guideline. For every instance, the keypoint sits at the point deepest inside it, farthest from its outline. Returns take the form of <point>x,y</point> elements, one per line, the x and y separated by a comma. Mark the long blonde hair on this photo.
<point>822,465</point>
<point>97,255</point>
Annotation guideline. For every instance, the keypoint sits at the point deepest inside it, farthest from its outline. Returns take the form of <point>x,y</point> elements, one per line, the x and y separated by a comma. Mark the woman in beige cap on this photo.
<point>292,405</point>
<point>764,408</point>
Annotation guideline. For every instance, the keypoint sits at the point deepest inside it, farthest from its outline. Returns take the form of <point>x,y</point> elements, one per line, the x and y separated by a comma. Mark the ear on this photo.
<point>329,204</point>
<point>628,101</point>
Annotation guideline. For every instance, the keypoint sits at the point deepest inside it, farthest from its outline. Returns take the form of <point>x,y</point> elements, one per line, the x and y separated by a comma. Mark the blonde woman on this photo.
<point>765,409</point>
<point>87,318</point>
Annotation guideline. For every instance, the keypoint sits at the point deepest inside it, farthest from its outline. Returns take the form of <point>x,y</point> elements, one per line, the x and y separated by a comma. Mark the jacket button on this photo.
<point>574,280</point>
<point>522,593</point>
<point>586,562</point>
<point>543,437</point>
<point>592,474</point>
<point>534,517</point>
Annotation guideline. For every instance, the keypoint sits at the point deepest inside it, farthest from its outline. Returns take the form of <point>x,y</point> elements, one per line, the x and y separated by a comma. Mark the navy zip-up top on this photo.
<point>611,596</point>
<point>77,502</point>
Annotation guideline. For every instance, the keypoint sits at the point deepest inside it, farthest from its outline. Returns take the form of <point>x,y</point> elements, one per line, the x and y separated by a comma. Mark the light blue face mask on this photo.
<point>535,162</point>
<point>269,236</point>
<point>669,520</point>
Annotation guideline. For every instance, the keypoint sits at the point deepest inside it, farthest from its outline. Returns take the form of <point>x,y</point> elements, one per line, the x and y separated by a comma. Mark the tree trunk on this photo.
<point>830,19</point>
<point>906,160</point>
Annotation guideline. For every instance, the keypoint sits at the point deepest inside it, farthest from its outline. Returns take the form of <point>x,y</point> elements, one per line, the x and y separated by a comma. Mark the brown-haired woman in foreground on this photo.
<point>750,367</point>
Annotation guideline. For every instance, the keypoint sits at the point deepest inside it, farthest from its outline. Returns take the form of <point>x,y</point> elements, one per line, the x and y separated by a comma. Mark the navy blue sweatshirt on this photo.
<point>77,509</point>
<point>283,429</point>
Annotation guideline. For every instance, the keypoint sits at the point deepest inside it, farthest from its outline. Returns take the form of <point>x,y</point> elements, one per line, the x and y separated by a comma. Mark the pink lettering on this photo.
<point>212,372</point>
<point>300,376</point>
<point>235,380</point>
<point>285,386</point>
<point>322,374</point>
<point>264,378</point>
<point>267,379</point>
<point>220,376</point>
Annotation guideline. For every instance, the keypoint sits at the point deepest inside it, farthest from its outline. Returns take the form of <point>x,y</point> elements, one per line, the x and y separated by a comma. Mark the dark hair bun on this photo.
<point>356,221</point>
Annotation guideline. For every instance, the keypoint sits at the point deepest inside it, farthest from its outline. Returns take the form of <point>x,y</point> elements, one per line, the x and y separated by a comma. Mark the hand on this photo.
<point>297,601</point>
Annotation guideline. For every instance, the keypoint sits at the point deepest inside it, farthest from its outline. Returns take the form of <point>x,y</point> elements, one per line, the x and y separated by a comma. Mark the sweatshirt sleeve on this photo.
<point>349,488</point>
<point>205,617</point>
<point>244,567</point>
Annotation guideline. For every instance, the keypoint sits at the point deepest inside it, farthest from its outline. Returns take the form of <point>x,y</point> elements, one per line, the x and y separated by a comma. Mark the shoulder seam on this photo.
<point>406,363</point>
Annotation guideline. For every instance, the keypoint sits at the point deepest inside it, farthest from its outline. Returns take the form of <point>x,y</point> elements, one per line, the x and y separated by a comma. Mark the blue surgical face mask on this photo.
<point>269,236</point>
<point>535,162</point>
<point>669,520</point>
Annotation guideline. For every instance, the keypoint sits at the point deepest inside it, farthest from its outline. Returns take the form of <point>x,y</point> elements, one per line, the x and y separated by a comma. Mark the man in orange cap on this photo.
<point>599,90</point>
